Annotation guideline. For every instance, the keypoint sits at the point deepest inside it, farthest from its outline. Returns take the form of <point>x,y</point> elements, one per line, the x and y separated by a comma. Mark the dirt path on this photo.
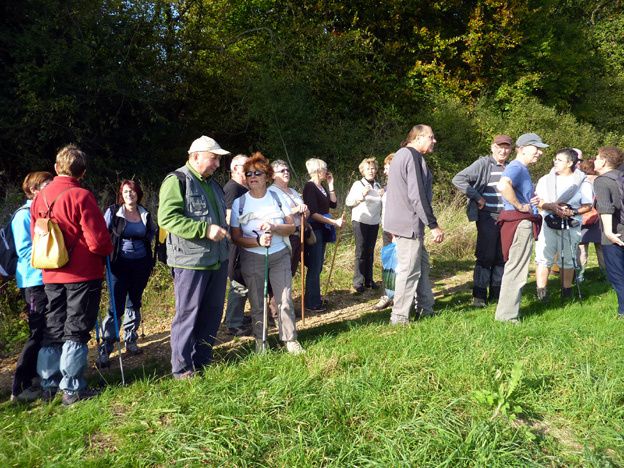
<point>344,306</point>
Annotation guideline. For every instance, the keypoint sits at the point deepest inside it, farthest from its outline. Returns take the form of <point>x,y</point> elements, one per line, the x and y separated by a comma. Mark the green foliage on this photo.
<point>501,398</point>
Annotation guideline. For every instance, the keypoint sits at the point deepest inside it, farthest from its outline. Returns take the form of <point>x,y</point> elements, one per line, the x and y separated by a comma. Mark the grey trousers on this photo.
<point>515,273</point>
<point>412,279</point>
<point>280,277</point>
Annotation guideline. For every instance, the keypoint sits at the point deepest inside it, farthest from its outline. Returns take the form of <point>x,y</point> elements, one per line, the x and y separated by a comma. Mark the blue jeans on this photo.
<point>129,278</point>
<point>314,256</point>
<point>614,263</point>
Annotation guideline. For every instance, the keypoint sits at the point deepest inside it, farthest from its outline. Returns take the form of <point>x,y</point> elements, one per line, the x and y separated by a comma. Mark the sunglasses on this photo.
<point>256,173</point>
<point>283,171</point>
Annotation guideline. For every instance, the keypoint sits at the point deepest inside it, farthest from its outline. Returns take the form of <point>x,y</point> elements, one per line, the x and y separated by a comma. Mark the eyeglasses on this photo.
<point>283,171</point>
<point>256,173</point>
<point>555,160</point>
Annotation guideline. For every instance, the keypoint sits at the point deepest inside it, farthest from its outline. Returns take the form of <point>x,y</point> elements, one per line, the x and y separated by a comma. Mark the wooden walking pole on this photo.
<point>331,268</point>
<point>301,240</point>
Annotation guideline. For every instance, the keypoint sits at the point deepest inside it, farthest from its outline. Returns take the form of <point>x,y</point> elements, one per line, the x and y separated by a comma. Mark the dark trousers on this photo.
<point>488,271</point>
<point>26,367</point>
<point>365,240</point>
<point>314,258</point>
<point>614,264</point>
<point>199,297</point>
<point>72,311</point>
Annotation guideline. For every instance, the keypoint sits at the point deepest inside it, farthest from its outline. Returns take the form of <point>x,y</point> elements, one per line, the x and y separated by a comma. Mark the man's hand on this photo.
<point>215,233</point>
<point>481,203</point>
<point>437,235</point>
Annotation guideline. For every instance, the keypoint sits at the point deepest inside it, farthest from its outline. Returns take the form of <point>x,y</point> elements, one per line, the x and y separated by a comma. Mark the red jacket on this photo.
<point>84,230</point>
<point>508,221</point>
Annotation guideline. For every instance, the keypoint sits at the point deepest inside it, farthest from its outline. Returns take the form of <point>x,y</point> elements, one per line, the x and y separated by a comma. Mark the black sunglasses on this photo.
<point>257,173</point>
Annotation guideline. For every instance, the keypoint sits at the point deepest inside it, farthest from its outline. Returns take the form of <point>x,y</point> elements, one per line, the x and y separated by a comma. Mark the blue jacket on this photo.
<point>25,275</point>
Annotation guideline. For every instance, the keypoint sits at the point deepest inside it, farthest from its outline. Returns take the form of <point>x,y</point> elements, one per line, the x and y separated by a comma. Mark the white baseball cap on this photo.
<point>205,143</point>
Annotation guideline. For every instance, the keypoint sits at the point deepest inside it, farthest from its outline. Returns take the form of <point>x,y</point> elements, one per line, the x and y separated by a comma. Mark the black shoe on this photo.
<point>359,289</point>
<point>240,331</point>
<point>319,308</point>
<point>373,285</point>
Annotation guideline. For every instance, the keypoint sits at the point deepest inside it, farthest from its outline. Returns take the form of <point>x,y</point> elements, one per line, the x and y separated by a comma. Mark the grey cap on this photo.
<point>530,139</point>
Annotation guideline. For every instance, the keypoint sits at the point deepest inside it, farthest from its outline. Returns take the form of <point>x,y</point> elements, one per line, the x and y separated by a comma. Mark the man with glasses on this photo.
<point>237,294</point>
<point>192,210</point>
<point>564,194</point>
<point>478,182</point>
<point>519,224</point>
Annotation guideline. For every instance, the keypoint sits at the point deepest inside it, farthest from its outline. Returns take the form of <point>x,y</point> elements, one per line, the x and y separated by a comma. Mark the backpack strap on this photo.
<point>50,205</point>
<point>243,198</point>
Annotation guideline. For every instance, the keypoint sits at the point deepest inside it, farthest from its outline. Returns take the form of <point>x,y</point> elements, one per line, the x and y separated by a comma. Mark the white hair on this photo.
<point>237,160</point>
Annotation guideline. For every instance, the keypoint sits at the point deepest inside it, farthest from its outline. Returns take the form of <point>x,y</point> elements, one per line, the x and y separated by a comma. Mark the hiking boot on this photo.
<point>30,394</point>
<point>189,374</point>
<point>49,394</point>
<point>293,347</point>
<point>358,289</point>
<point>383,303</point>
<point>542,294</point>
<point>319,308</point>
<point>260,349</point>
<point>567,293</point>
<point>240,331</point>
<point>373,285</point>
<point>478,302</point>
<point>69,398</point>
<point>133,348</point>
<point>423,314</point>
<point>103,360</point>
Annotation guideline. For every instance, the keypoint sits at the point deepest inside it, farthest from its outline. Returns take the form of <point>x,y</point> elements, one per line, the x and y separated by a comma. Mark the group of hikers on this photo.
<point>256,229</point>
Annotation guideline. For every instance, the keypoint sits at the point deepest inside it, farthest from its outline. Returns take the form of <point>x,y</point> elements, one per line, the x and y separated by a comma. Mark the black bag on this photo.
<point>555,222</point>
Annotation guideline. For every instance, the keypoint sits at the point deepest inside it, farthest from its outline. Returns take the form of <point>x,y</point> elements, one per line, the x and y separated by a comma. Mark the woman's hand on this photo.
<point>265,239</point>
<point>330,180</point>
<point>339,222</point>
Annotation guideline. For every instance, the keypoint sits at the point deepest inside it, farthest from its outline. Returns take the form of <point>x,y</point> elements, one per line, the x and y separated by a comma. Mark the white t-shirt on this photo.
<point>255,212</point>
<point>583,196</point>
<point>290,202</point>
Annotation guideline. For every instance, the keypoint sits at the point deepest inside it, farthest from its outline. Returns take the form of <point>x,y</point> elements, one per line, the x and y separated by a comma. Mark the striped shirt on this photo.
<point>493,198</point>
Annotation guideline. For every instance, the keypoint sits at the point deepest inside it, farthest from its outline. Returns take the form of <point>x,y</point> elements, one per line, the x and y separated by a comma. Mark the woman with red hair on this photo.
<point>132,230</point>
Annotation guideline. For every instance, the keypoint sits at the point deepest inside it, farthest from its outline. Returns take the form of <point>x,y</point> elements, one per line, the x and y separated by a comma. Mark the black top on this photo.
<point>232,191</point>
<point>609,200</point>
<point>316,202</point>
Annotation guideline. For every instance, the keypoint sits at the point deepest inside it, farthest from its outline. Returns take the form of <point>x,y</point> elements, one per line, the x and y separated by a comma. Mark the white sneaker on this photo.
<point>383,303</point>
<point>259,346</point>
<point>293,347</point>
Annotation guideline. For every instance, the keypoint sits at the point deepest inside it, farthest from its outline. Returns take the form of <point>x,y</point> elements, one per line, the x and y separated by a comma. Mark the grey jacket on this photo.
<point>408,199</point>
<point>472,182</point>
<point>198,254</point>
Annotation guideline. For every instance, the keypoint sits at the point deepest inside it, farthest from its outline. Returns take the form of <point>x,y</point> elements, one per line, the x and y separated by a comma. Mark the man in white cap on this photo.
<point>519,224</point>
<point>192,210</point>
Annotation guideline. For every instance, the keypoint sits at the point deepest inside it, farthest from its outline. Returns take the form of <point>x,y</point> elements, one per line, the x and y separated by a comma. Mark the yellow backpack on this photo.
<point>48,245</point>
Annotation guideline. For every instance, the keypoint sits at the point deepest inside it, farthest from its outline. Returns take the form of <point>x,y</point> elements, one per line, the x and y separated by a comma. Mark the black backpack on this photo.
<point>8,252</point>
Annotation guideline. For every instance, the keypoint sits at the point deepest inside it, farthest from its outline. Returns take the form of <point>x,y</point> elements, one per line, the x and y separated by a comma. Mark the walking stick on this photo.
<point>331,268</point>
<point>111,294</point>
<point>265,311</point>
<point>301,241</point>
<point>575,265</point>
<point>562,256</point>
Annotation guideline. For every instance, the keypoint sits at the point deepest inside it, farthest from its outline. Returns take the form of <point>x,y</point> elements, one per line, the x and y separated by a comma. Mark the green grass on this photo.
<point>458,389</point>
<point>366,393</point>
